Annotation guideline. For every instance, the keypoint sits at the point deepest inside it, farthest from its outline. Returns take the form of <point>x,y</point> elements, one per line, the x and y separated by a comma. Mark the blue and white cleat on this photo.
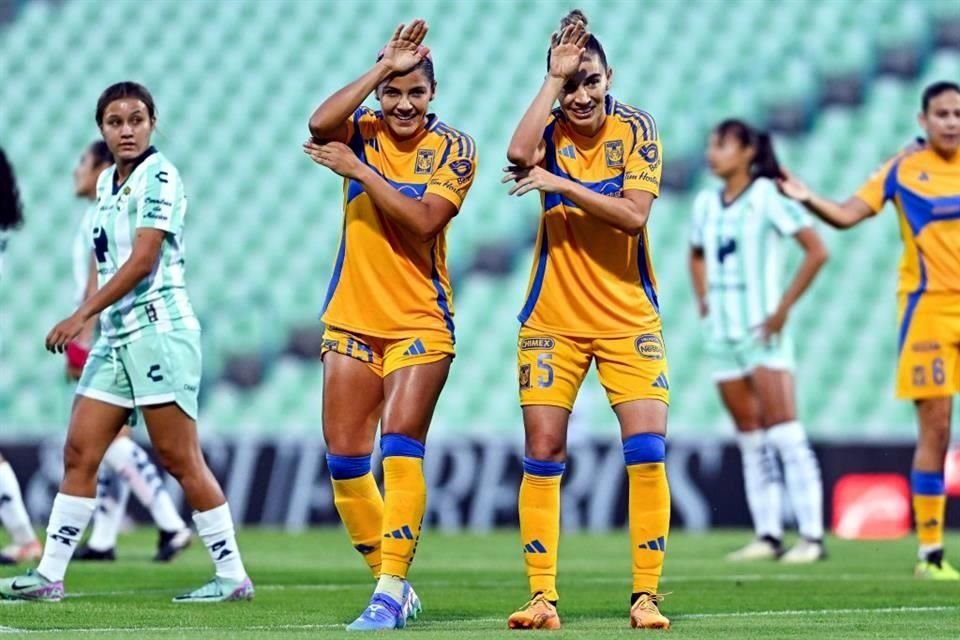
<point>220,590</point>
<point>411,603</point>
<point>31,586</point>
<point>384,613</point>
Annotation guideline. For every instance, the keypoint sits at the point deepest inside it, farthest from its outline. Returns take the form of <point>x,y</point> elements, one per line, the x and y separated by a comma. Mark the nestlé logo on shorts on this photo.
<point>649,346</point>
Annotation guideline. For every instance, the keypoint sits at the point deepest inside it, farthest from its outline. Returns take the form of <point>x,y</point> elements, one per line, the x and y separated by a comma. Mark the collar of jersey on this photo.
<point>136,163</point>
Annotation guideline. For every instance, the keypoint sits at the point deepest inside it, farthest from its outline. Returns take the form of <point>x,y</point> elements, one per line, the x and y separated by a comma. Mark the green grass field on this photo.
<point>309,585</point>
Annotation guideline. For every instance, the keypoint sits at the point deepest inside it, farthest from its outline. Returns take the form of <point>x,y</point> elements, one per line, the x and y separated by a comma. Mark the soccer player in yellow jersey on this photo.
<point>388,312</point>
<point>924,185</point>
<point>592,296</point>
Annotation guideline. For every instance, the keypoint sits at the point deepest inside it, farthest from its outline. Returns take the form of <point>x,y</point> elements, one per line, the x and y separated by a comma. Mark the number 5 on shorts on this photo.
<point>545,378</point>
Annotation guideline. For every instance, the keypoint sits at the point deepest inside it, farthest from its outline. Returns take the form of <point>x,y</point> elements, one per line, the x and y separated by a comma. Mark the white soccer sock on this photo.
<point>391,586</point>
<point>68,519</point>
<point>761,481</point>
<point>215,528</point>
<point>129,460</point>
<point>13,513</point>
<point>113,493</point>
<point>802,472</point>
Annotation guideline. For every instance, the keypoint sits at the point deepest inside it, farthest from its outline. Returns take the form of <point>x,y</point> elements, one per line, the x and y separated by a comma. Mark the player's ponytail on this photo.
<point>593,45</point>
<point>764,163</point>
<point>11,208</point>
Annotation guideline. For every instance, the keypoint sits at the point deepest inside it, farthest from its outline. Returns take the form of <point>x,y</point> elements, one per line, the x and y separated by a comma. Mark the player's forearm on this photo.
<point>128,276</point>
<point>698,276</point>
<point>833,213</point>
<point>813,261</point>
<point>410,213</point>
<point>523,145</point>
<point>618,212</point>
<point>335,110</point>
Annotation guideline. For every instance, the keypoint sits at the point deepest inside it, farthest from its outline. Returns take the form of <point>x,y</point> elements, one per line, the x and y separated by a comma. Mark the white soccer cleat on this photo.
<point>805,552</point>
<point>765,548</point>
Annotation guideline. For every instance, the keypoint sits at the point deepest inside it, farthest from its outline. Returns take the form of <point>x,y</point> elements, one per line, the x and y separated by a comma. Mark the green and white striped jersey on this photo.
<point>151,197</point>
<point>81,253</point>
<point>743,245</point>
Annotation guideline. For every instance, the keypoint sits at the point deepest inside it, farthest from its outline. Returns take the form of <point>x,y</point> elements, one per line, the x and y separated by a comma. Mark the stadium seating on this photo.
<point>236,81</point>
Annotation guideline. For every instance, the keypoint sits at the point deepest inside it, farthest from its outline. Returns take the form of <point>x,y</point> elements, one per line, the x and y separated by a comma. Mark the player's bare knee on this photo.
<point>79,458</point>
<point>546,447</point>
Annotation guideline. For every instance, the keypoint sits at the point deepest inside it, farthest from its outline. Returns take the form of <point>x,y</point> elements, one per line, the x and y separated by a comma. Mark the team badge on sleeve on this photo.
<point>463,169</point>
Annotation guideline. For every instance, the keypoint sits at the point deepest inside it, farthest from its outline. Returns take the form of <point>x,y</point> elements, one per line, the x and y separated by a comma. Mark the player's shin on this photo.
<point>761,483</point>
<point>404,503</point>
<point>539,505</point>
<point>802,475</point>
<point>929,506</point>
<point>68,520</point>
<point>360,505</point>
<point>649,508</point>
<point>215,528</point>
<point>13,514</point>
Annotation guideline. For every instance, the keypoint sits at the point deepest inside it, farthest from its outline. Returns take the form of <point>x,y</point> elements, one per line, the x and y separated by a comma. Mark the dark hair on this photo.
<point>425,65</point>
<point>100,152</point>
<point>935,89</point>
<point>11,209</point>
<point>764,163</point>
<point>122,90</point>
<point>593,45</point>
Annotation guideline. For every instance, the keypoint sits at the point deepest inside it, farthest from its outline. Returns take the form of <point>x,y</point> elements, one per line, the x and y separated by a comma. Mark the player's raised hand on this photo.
<point>64,332</point>
<point>793,188</point>
<point>335,156</point>
<point>566,50</point>
<point>405,49</point>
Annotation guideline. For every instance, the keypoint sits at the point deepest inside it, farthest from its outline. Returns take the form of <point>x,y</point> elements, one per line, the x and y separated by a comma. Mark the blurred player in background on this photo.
<point>923,183</point>
<point>596,163</point>
<point>388,343</point>
<point>24,546</point>
<point>737,251</point>
<point>125,465</point>
<point>147,357</point>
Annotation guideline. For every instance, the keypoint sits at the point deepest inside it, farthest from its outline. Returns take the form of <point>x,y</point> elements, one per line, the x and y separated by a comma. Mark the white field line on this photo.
<point>483,622</point>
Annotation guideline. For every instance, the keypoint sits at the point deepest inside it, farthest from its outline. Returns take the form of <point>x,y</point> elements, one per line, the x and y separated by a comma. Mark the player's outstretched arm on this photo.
<point>526,146</point>
<point>404,51</point>
<point>838,216</point>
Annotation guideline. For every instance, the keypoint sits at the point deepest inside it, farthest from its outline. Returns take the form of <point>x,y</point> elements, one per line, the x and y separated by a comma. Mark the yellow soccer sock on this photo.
<point>540,523</point>
<point>929,508</point>
<point>405,500</point>
<point>360,505</point>
<point>649,508</point>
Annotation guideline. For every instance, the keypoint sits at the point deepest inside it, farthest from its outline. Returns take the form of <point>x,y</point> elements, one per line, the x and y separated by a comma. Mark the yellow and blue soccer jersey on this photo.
<point>386,281</point>
<point>925,188</point>
<point>590,279</point>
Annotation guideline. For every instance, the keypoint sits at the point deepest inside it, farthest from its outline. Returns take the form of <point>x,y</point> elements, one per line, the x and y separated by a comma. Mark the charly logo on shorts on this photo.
<point>538,343</point>
<point>524,376</point>
<point>649,346</point>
